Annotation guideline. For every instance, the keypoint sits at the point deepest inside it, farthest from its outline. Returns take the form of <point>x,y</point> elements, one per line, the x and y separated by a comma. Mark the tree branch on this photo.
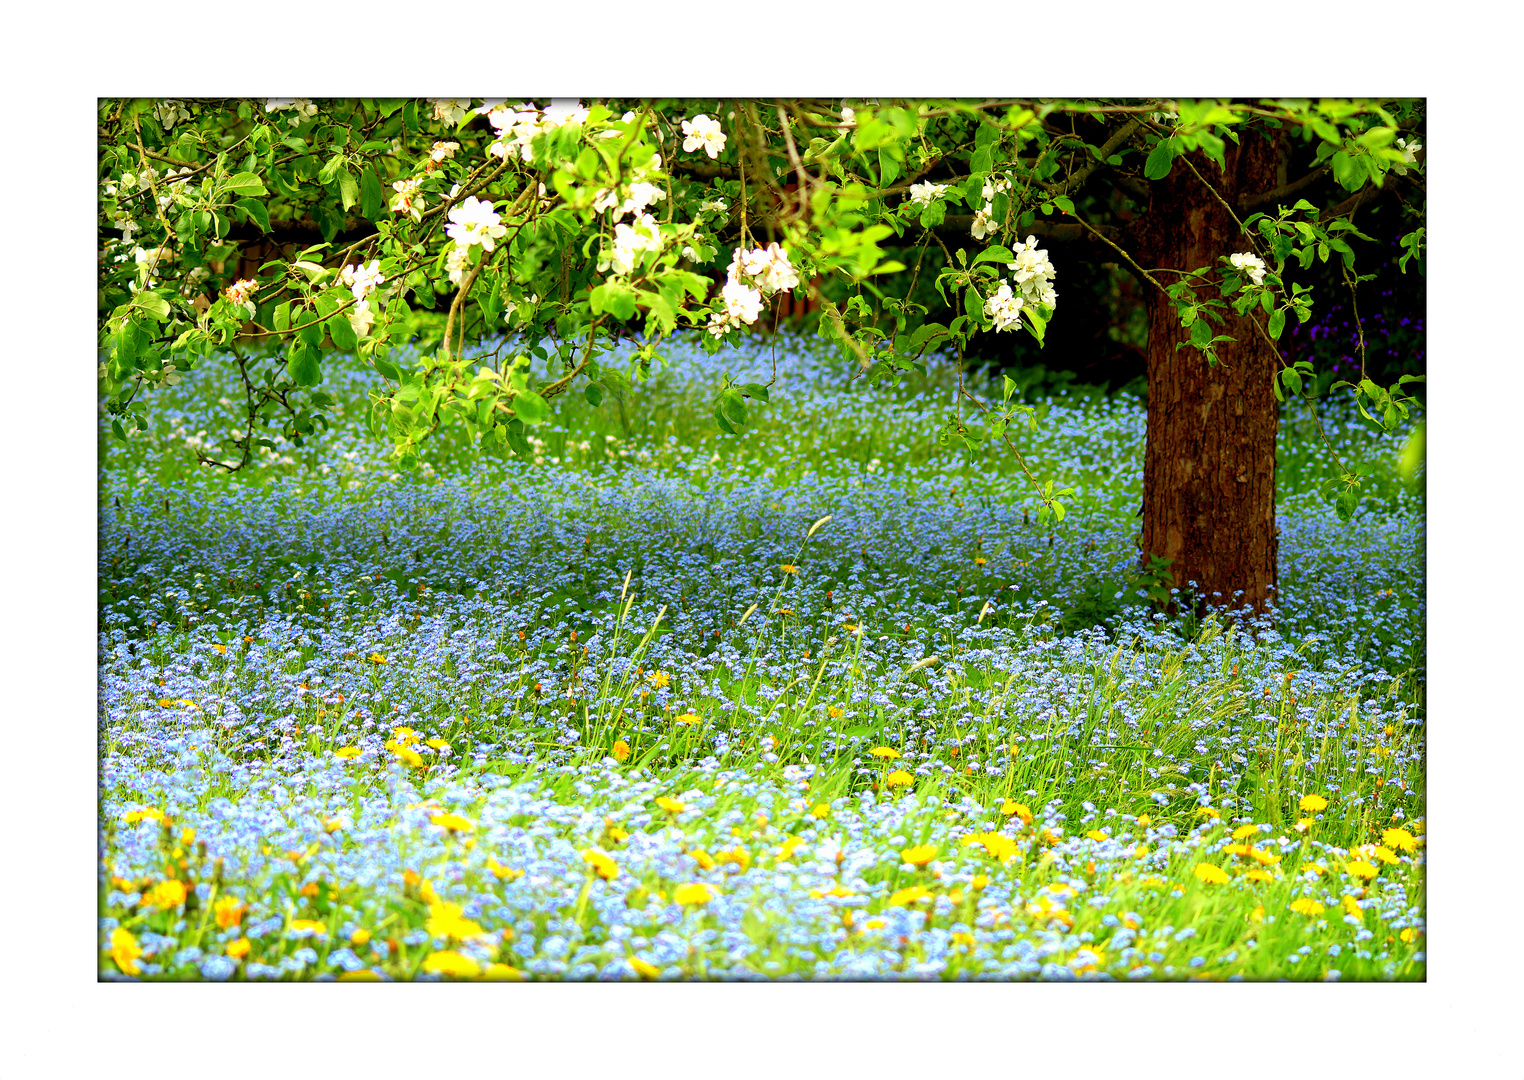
<point>1254,202</point>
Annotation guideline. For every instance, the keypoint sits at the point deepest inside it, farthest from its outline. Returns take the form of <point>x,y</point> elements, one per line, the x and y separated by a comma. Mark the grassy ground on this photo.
<point>822,701</point>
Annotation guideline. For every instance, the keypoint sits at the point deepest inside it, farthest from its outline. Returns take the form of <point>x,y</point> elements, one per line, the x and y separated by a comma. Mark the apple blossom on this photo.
<point>703,133</point>
<point>923,194</point>
<point>450,110</point>
<point>1250,264</point>
<point>408,200</point>
<point>474,222</point>
<point>362,279</point>
<point>1004,307</point>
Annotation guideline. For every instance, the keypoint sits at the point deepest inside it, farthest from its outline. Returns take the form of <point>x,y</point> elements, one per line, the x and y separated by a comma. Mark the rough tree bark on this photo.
<point>1209,464</point>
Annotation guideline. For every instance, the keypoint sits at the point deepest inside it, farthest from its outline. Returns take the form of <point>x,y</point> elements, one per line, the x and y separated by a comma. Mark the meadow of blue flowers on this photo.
<point>820,701</point>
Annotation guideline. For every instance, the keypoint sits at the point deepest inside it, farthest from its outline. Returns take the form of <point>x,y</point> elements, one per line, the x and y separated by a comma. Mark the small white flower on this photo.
<point>241,292</point>
<point>983,226</point>
<point>923,194</point>
<point>1004,307</point>
<point>408,200</point>
<point>457,261</point>
<point>361,318</point>
<point>443,151</point>
<point>474,222</point>
<point>362,279</point>
<point>450,110</point>
<point>741,301</point>
<point>1249,264</point>
<point>703,133</point>
<point>1409,155</point>
<point>170,112</point>
<point>1033,273</point>
<point>848,116</point>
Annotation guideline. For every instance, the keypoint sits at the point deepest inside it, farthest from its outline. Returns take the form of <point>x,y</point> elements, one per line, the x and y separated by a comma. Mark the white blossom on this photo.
<point>302,106</point>
<point>703,133</point>
<point>741,301</point>
<point>848,116</point>
<point>450,110</point>
<point>1409,155</point>
<point>643,234</point>
<point>170,112</point>
<point>1033,273</point>
<point>241,292</point>
<point>362,279</point>
<point>408,200</point>
<point>474,222</point>
<point>1250,264</point>
<point>443,151</point>
<point>361,318</point>
<point>457,261</point>
<point>1004,307</point>
<point>923,194</point>
<point>983,226</point>
<point>767,269</point>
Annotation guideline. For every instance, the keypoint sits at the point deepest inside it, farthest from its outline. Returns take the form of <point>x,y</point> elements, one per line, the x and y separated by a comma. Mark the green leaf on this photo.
<point>247,183</point>
<point>283,317</point>
<point>116,429</point>
<point>1277,322</point>
<point>349,188</point>
<point>594,394</point>
<point>733,406</point>
<point>752,389</point>
<point>303,365</point>
<point>255,211</point>
<point>341,331</point>
<point>1201,333</point>
<point>152,303</point>
<point>1160,159</point>
<point>385,368</point>
<point>530,407</point>
<point>371,200</point>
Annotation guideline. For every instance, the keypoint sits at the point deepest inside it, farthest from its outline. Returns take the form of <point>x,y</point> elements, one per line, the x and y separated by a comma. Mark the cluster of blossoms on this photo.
<point>516,128</point>
<point>984,218</point>
<point>301,106</point>
<point>1252,265</point>
<point>242,292</point>
<point>450,110</point>
<point>441,151</point>
<point>408,199</point>
<point>170,112</point>
<point>1034,275</point>
<point>923,194</point>
<point>472,221</point>
<point>362,279</point>
<point>642,193</point>
<point>630,239</point>
<point>1409,155</point>
<point>703,134</point>
<point>752,276</point>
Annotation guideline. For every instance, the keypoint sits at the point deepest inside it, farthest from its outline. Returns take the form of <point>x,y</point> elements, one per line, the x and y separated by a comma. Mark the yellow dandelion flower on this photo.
<point>1258,914</point>
<point>789,568</point>
<point>347,752</point>
<point>446,920</point>
<point>1244,831</point>
<point>240,948</point>
<point>501,872</point>
<point>603,865</point>
<point>1312,804</point>
<point>643,968</point>
<point>306,926</point>
<point>912,895</point>
<point>1306,905</point>
<point>405,736</point>
<point>1386,855</point>
<point>791,845</point>
<point>670,805</point>
<point>980,881</point>
<point>737,857</point>
<point>919,855</point>
<point>622,751</point>
<point>834,713</point>
<point>166,894</point>
<point>1410,934</point>
<point>1352,906</point>
<point>687,718</point>
<point>1259,875</point>
<point>125,950</point>
<point>132,817</point>
<point>1141,852</point>
<point>884,752</point>
<point>980,560</point>
<point>501,973</point>
<point>1212,875</point>
<point>1208,812</point>
<point>658,679</point>
<point>437,744</point>
<point>1303,824</point>
<point>359,975</point>
<point>694,893</point>
<point>821,810</point>
<point>703,858</point>
<point>453,822</point>
<point>898,778</point>
<point>1016,809</point>
<point>376,658</point>
<point>1263,857</point>
<point>1360,868</point>
<point>360,937</point>
<point>1400,839</point>
<point>1096,835</point>
<point>228,911</point>
<point>449,962</point>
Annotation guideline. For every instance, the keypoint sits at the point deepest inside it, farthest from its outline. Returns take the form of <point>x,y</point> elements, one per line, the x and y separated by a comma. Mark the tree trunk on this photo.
<point>1209,465</point>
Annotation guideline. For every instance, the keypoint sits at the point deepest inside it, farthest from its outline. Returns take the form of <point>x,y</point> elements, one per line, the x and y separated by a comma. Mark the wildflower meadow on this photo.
<point>820,701</point>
